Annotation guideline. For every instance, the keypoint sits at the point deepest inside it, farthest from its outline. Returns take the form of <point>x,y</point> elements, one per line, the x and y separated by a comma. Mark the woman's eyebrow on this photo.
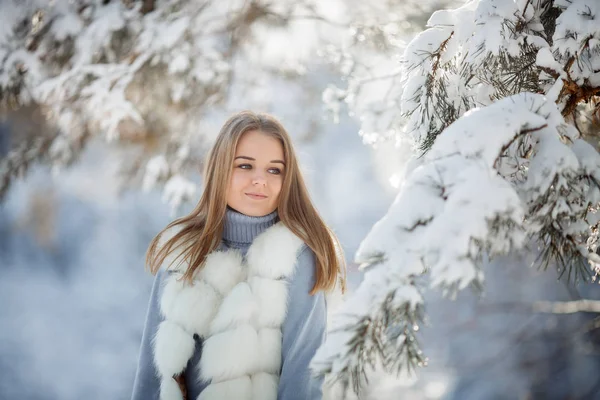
<point>254,159</point>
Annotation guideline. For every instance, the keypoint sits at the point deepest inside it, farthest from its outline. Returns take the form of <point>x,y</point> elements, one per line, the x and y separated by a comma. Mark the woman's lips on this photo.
<point>256,196</point>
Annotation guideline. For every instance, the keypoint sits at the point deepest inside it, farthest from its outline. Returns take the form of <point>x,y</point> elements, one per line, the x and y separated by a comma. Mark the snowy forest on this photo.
<point>453,146</point>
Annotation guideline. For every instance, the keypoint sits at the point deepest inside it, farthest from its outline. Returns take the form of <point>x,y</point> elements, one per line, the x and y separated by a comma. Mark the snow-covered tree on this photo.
<point>150,77</point>
<point>501,100</point>
<point>146,76</point>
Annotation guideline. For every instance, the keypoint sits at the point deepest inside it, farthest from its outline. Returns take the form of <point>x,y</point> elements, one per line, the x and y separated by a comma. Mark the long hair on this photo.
<point>199,233</point>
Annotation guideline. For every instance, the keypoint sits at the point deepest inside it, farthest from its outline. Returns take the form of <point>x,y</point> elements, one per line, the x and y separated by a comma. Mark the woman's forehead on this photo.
<point>259,145</point>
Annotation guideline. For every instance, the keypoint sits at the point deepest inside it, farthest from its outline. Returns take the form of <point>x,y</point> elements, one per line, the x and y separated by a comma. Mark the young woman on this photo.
<point>238,309</point>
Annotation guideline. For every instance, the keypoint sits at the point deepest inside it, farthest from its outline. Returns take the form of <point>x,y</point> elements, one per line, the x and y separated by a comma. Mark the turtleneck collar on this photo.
<point>241,228</point>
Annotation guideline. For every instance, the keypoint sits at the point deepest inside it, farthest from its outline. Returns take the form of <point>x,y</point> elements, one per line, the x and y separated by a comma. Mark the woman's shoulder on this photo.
<point>305,271</point>
<point>305,253</point>
<point>174,260</point>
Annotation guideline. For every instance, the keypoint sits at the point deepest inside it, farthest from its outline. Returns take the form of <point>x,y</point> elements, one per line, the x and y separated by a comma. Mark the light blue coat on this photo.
<point>303,330</point>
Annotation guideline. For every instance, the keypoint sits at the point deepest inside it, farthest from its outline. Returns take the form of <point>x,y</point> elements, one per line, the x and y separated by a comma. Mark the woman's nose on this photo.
<point>259,179</point>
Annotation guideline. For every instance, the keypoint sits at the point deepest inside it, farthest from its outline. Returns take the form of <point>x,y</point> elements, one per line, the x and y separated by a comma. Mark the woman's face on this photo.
<point>258,169</point>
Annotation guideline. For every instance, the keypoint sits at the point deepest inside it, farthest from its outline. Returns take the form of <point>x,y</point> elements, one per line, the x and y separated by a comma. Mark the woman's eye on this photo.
<point>274,171</point>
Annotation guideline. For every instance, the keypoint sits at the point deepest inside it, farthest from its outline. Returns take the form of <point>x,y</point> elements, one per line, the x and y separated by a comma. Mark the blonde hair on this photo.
<point>200,232</point>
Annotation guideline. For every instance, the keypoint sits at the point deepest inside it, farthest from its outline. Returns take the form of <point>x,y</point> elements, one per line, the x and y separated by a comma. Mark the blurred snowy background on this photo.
<point>114,169</point>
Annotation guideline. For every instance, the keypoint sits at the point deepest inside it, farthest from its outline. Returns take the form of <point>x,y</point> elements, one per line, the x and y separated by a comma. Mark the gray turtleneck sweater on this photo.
<point>303,329</point>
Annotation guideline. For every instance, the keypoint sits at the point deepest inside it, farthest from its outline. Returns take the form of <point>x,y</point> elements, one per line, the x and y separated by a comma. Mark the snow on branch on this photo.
<point>487,50</point>
<point>494,94</point>
<point>451,211</point>
<point>148,74</point>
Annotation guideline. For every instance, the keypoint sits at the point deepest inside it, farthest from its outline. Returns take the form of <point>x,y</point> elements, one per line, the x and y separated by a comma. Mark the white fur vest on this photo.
<point>237,308</point>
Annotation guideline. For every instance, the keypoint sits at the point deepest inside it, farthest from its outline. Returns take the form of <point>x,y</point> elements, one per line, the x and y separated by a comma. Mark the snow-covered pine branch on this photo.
<point>487,50</point>
<point>146,75</point>
<point>368,61</point>
<point>493,93</point>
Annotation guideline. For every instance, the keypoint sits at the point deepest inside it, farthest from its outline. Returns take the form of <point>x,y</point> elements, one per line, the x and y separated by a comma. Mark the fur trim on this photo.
<point>169,389</point>
<point>281,245</point>
<point>271,296</point>
<point>238,309</point>
<point>171,288</point>
<point>230,354</point>
<point>223,270</point>
<point>240,388</point>
<point>199,300</point>
<point>264,386</point>
<point>269,342</point>
<point>173,348</point>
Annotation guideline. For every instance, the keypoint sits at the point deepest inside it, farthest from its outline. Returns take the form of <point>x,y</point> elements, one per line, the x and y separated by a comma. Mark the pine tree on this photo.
<point>145,77</point>
<point>501,99</point>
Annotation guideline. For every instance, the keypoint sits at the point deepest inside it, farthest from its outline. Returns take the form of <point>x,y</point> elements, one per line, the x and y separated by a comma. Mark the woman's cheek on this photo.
<point>237,180</point>
<point>276,185</point>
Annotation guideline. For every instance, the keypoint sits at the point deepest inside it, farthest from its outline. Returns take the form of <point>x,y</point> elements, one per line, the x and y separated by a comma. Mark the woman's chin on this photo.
<point>253,211</point>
